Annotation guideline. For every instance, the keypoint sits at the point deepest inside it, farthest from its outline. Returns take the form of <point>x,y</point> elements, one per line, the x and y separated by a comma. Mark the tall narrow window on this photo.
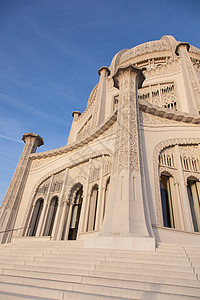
<point>35,217</point>
<point>51,216</point>
<point>75,217</point>
<point>194,199</point>
<point>92,209</point>
<point>166,200</point>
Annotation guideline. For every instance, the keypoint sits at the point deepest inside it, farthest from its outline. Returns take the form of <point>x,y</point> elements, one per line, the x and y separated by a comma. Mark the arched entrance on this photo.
<point>51,216</point>
<point>35,217</point>
<point>75,216</point>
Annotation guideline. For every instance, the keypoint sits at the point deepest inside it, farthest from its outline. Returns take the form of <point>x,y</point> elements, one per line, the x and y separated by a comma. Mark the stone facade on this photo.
<point>129,176</point>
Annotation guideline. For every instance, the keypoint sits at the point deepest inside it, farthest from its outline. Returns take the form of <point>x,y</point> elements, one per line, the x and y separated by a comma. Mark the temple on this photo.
<point>129,176</point>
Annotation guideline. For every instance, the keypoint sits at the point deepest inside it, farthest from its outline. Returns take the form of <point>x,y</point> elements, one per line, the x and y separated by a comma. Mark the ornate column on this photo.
<point>68,222</point>
<point>85,205</point>
<point>15,191</point>
<point>62,221</point>
<point>191,82</point>
<point>184,196</point>
<point>125,223</point>
<point>180,224</point>
<point>100,198</point>
<point>57,224</point>
<point>45,208</point>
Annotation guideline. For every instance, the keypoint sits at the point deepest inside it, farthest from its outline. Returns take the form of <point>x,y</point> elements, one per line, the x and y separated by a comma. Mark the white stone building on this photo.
<point>129,176</point>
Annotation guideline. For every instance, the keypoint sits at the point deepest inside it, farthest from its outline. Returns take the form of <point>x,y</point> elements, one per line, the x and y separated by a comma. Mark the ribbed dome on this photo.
<point>166,43</point>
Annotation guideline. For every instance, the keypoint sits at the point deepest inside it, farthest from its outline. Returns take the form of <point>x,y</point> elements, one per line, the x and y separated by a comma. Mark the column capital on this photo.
<point>28,136</point>
<point>104,71</point>
<point>182,45</point>
<point>76,114</point>
<point>129,68</point>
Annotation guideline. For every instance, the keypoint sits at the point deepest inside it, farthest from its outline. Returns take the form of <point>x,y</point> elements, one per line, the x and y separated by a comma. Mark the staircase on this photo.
<point>33,269</point>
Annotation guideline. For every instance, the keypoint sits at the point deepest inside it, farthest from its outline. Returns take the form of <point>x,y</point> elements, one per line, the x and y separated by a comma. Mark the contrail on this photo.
<point>10,139</point>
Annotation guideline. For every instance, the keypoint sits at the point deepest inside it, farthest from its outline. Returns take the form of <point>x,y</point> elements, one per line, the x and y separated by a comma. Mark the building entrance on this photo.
<point>76,211</point>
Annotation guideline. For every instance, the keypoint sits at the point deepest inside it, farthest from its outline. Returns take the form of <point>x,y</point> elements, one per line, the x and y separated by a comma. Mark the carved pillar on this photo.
<point>44,210</point>
<point>85,205</point>
<point>100,101</point>
<point>184,196</point>
<point>68,222</point>
<point>62,221</point>
<point>14,194</point>
<point>180,224</point>
<point>57,223</point>
<point>125,222</point>
<point>100,198</point>
<point>191,81</point>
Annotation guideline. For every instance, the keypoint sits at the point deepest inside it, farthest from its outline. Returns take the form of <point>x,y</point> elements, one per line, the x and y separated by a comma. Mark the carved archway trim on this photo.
<point>156,153</point>
<point>72,193</point>
<point>99,131</point>
<point>191,175</point>
<point>60,169</point>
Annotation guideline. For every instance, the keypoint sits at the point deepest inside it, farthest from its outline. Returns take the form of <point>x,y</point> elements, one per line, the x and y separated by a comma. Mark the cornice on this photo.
<point>168,113</point>
<point>100,130</point>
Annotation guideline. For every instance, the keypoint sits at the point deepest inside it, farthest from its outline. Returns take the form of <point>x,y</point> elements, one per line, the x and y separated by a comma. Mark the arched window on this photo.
<point>194,200</point>
<point>166,200</point>
<point>106,196</point>
<point>92,209</point>
<point>75,216</point>
<point>51,216</point>
<point>35,217</point>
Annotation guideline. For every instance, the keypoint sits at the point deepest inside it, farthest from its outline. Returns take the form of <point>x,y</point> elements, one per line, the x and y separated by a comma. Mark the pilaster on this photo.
<point>125,221</point>
<point>14,194</point>
<point>191,82</point>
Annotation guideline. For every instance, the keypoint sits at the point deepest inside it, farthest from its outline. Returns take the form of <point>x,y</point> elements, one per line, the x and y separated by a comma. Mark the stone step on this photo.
<point>52,257</point>
<point>151,254</point>
<point>172,274</point>
<point>160,260</point>
<point>150,266</point>
<point>53,269</point>
<point>66,260</point>
<point>138,276</point>
<point>72,256</point>
<point>14,296</point>
<point>48,263</point>
<point>85,267</point>
<point>31,290</point>
<point>146,278</point>
<point>26,287</point>
<point>43,280</point>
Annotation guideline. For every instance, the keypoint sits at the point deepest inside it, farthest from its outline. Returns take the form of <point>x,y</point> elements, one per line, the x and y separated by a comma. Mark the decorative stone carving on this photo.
<point>167,146</point>
<point>163,95</point>
<point>171,67</point>
<point>155,46</point>
<point>72,193</point>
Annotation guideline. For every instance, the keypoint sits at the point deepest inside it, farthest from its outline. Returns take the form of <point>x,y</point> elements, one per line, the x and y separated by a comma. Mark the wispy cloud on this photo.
<point>21,106</point>
<point>10,138</point>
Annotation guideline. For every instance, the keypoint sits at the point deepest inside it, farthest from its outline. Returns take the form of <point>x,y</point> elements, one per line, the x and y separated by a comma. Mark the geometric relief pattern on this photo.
<point>164,160</point>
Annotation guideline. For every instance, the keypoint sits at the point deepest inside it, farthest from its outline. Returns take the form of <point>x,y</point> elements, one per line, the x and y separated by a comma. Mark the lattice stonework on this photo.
<point>167,162</point>
<point>163,95</point>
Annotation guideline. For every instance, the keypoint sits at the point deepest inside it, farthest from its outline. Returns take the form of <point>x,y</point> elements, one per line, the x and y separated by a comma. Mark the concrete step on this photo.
<point>39,280</point>
<point>75,275</point>
<point>14,296</point>
<point>81,266</point>
<point>29,289</point>
<point>129,270</point>
<point>160,260</point>
<point>146,278</point>
<point>148,254</point>
<point>150,266</point>
<point>67,261</point>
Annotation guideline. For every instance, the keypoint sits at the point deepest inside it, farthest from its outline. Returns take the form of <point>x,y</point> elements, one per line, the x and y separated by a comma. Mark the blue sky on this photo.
<point>51,50</point>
